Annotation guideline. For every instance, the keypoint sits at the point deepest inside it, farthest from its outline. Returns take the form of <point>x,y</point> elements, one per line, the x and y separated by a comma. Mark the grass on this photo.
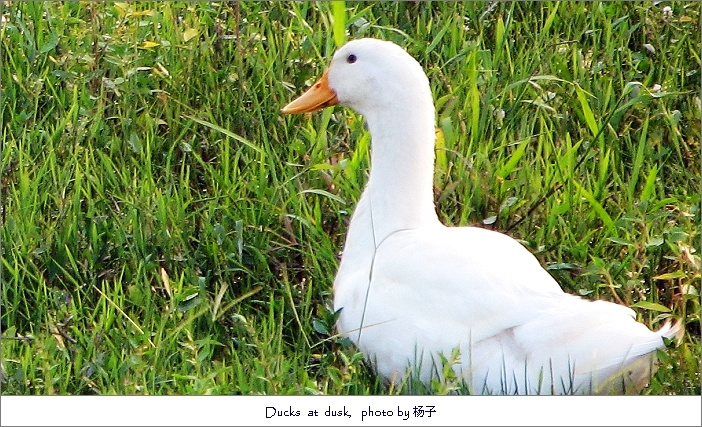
<point>165,230</point>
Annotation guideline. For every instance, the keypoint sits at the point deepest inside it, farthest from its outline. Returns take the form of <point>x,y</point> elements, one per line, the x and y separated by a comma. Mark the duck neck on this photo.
<point>400,187</point>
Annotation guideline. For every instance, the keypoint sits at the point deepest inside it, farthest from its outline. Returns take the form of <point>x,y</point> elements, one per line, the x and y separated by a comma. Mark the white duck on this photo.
<point>411,288</point>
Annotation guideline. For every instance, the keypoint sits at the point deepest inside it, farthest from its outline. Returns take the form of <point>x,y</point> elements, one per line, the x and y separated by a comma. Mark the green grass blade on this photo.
<point>339,17</point>
<point>599,210</point>
<point>586,110</point>
<point>513,160</point>
<point>638,160</point>
<point>226,132</point>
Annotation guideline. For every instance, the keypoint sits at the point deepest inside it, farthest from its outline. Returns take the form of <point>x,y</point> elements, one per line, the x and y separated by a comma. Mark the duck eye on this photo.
<point>351,58</point>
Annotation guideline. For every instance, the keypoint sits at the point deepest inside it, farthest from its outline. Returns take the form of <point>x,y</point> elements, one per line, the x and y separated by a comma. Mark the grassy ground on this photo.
<point>166,231</point>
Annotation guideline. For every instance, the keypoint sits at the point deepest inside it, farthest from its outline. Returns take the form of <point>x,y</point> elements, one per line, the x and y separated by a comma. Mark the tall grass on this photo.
<point>166,231</point>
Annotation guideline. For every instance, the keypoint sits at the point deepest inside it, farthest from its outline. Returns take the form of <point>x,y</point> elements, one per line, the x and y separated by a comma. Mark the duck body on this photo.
<point>412,290</point>
<point>516,330</point>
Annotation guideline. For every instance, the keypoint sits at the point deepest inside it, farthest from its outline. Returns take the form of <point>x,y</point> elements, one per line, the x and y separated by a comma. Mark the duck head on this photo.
<point>370,76</point>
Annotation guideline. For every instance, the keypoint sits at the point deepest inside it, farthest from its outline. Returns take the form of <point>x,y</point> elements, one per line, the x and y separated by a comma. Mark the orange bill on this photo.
<point>319,96</point>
